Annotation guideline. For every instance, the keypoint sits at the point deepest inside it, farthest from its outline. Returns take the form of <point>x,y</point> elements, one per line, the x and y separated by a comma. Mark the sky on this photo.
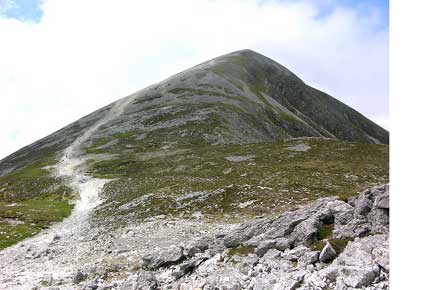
<point>62,59</point>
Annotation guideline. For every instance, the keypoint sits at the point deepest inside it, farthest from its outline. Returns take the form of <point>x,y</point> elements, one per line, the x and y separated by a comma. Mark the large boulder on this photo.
<point>245,232</point>
<point>306,233</point>
<point>164,258</point>
<point>361,262</point>
<point>284,225</point>
<point>382,200</point>
<point>264,246</point>
<point>370,214</point>
<point>309,258</point>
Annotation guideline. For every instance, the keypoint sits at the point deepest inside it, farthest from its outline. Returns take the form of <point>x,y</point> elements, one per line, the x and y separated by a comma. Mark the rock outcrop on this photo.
<point>328,244</point>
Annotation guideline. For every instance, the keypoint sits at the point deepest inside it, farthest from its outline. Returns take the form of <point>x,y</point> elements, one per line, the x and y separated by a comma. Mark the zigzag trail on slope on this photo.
<point>22,265</point>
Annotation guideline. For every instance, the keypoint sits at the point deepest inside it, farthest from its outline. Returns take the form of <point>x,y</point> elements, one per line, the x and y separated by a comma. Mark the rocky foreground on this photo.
<point>328,244</point>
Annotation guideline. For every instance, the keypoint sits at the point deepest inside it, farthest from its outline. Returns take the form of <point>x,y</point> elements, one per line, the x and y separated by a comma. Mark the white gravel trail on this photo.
<point>55,253</point>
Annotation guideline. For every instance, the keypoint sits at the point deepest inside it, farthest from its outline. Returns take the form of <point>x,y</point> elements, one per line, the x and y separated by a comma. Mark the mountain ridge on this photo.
<point>252,92</point>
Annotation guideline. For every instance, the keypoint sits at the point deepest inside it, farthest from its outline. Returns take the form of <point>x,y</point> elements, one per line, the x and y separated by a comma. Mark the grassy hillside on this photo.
<point>234,181</point>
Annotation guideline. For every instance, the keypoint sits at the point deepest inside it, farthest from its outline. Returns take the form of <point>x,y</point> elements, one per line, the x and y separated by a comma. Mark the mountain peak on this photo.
<point>240,97</point>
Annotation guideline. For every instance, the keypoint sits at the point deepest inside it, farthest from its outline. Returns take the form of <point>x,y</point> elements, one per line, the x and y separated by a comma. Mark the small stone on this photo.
<point>327,254</point>
<point>309,258</point>
<point>47,280</point>
<point>282,244</point>
<point>251,259</point>
<point>92,285</point>
<point>188,267</point>
<point>79,277</point>
<point>271,254</point>
<point>296,253</point>
<point>146,281</point>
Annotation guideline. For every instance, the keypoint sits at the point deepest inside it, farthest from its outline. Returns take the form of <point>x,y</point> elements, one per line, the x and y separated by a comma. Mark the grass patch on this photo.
<point>23,219</point>
<point>326,231</point>
<point>337,244</point>
<point>318,246</point>
<point>31,199</point>
<point>31,181</point>
<point>241,251</point>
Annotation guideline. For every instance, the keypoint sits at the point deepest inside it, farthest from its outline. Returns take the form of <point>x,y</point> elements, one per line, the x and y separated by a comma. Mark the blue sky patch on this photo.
<point>380,7</point>
<point>23,10</point>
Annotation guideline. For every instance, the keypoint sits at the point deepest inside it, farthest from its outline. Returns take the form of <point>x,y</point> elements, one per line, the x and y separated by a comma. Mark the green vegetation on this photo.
<point>181,180</point>
<point>241,251</point>
<point>326,231</point>
<point>33,180</point>
<point>325,234</point>
<point>30,200</point>
<point>337,244</point>
<point>25,218</point>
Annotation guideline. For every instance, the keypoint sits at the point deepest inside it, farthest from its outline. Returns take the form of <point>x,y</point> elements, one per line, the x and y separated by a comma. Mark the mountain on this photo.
<point>230,150</point>
<point>242,97</point>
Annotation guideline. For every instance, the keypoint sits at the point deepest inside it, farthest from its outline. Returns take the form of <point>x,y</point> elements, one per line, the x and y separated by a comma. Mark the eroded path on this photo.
<point>54,253</point>
<point>52,258</point>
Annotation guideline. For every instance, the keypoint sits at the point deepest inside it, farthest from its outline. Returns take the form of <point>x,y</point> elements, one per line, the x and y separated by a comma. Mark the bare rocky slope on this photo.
<point>224,176</point>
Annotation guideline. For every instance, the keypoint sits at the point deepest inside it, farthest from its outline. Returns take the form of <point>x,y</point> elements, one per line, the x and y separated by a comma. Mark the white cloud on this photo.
<point>84,54</point>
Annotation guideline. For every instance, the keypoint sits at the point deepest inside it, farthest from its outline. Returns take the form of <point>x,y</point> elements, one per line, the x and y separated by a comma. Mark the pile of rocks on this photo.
<point>328,244</point>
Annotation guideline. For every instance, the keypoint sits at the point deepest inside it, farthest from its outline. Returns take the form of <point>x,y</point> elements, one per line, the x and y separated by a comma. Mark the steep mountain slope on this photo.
<point>229,139</point>
<point>242,97</point>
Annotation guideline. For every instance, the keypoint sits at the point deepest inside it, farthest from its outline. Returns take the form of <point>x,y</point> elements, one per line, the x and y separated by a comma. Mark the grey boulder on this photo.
<point>165,258</point>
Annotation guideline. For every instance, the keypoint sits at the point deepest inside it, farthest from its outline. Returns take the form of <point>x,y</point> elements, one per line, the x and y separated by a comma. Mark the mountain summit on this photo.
<point>241,97</point>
